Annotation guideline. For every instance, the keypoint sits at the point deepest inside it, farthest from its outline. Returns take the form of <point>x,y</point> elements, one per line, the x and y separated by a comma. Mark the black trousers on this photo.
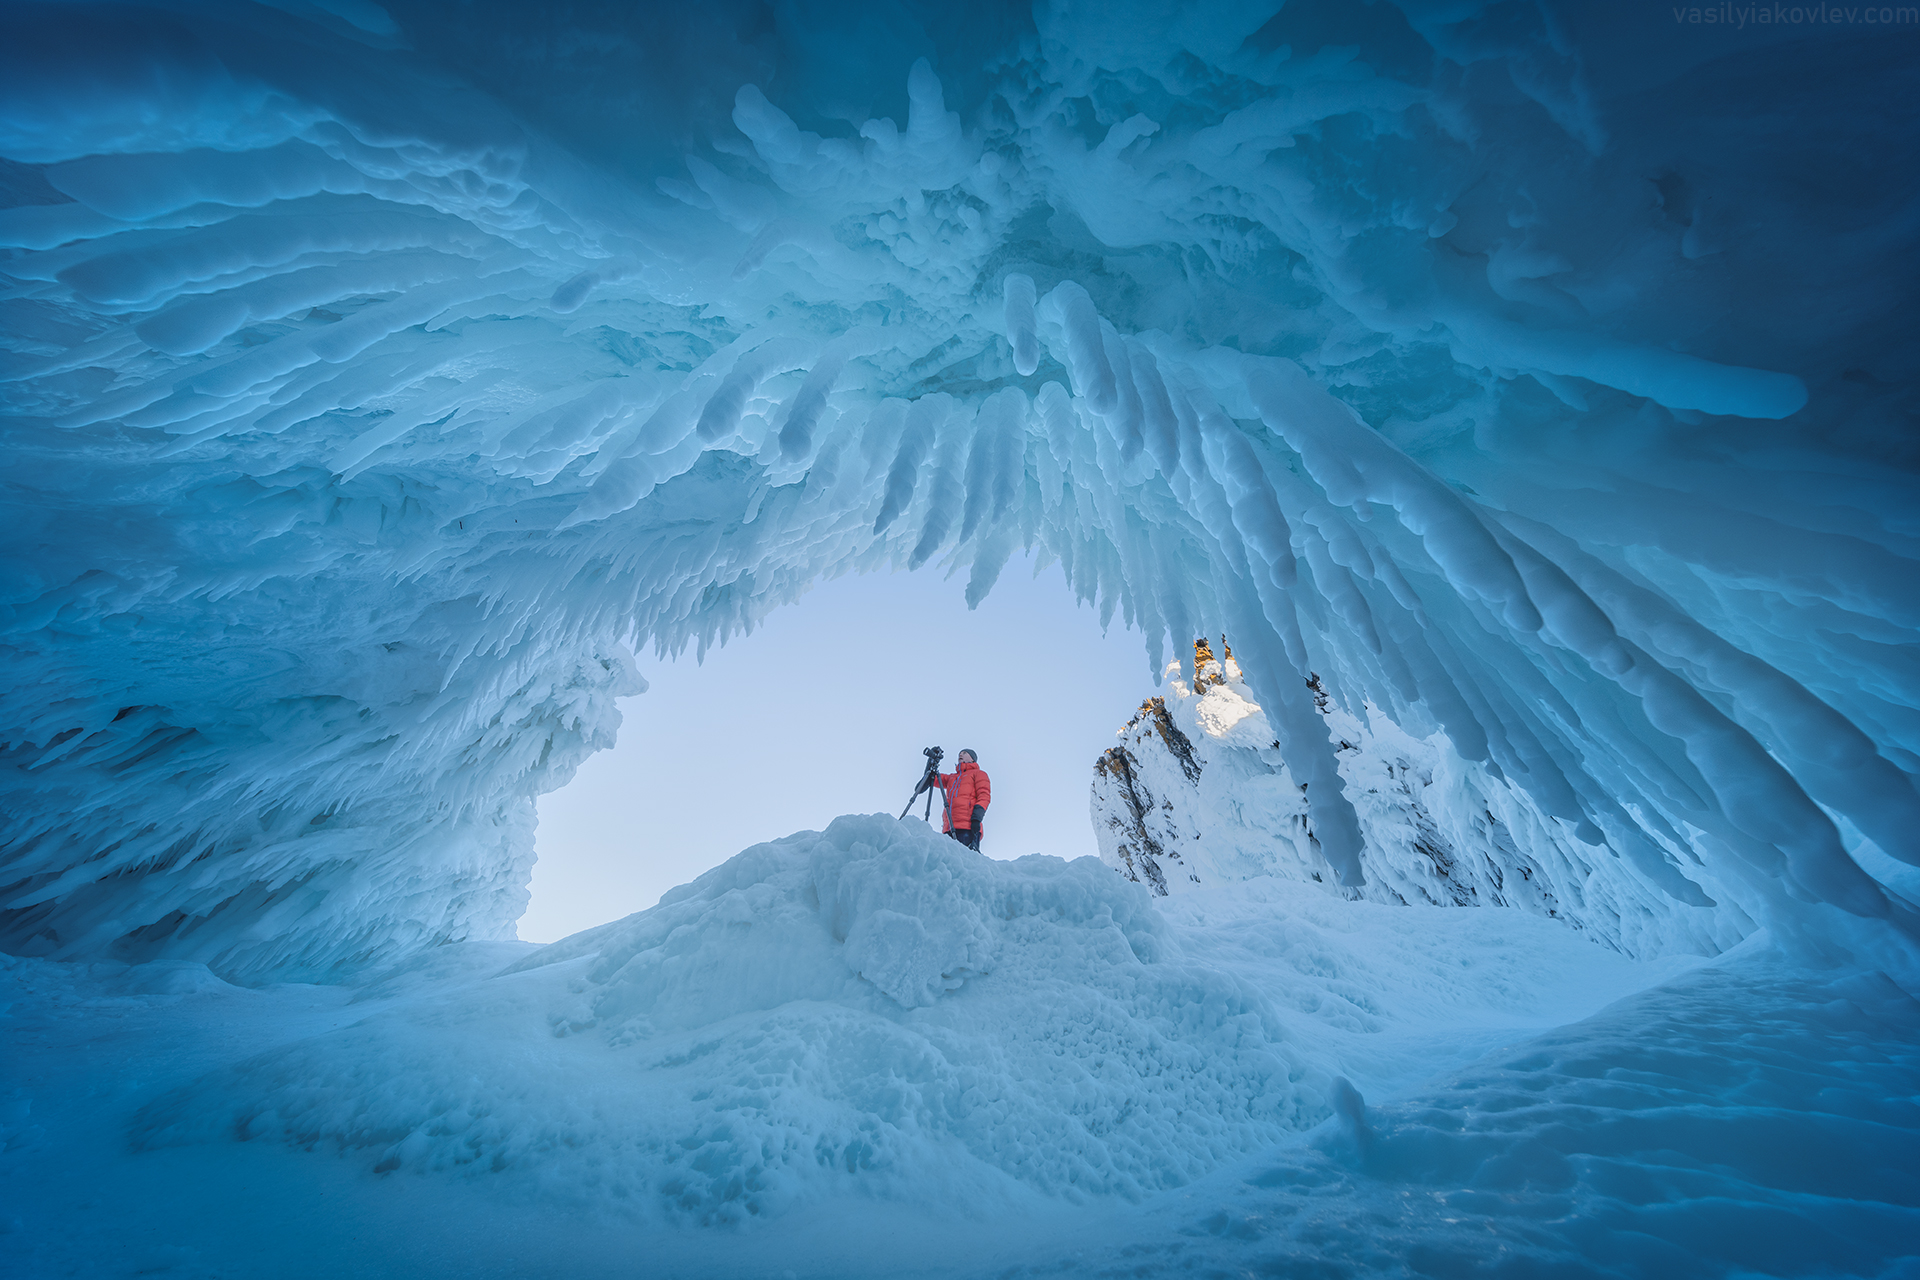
<point>971,839</point>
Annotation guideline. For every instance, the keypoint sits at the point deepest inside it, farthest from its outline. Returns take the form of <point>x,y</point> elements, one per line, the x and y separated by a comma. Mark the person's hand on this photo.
<point>979,816</point>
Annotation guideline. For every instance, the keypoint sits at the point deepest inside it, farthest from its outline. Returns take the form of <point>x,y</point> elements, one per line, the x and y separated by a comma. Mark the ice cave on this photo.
<point>1496,421</point>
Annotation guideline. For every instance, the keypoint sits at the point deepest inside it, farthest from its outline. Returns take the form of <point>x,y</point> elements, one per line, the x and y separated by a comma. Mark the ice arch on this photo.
<point>1491,365</point>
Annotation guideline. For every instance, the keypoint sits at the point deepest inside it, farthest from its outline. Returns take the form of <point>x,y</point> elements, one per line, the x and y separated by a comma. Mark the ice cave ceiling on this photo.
<point>1539,375</point>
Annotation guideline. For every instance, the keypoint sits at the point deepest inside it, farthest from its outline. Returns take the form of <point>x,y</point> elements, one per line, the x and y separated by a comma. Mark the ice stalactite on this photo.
<point>357,419</point>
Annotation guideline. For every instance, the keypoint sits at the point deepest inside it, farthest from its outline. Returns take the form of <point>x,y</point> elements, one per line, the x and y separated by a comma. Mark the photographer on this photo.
<point>965,793</point>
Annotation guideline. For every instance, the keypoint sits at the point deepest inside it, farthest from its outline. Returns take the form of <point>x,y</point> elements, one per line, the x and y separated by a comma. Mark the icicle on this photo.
<point>796,434</point>
<point>923,419</point>
<point>1022,325</point>
<point>944,488</point>
<point>1354,466</point>
<point>1083,346</point>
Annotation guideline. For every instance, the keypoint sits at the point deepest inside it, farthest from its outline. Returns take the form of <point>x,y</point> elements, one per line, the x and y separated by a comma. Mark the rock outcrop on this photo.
<point>1197,792</point>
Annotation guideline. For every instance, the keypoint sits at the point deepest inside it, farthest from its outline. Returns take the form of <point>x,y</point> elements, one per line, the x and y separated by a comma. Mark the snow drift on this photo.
<point>872,1011</point>
<point>875,1013</point>
<point>375,376</point>
<point>868,1052</point>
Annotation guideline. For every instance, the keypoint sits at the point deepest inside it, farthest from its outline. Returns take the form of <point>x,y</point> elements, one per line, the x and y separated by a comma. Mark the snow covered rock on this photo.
<point>1199,793</point>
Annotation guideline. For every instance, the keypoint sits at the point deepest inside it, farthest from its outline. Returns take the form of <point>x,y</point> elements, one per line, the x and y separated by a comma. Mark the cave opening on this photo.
<point>825,709</point>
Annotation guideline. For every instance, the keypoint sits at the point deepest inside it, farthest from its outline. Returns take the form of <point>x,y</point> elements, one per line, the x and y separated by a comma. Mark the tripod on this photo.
<point>928,781</point>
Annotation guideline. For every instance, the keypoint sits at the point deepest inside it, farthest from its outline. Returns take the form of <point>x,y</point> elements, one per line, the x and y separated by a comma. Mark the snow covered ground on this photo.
<point>872,1052</point>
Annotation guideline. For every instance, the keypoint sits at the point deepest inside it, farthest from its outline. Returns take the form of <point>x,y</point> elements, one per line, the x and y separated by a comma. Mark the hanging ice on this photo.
<point>355,424</point>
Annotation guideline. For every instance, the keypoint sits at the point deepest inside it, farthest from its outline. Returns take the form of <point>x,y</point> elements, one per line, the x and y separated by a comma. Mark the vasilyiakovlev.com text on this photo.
<point>1781,15</point>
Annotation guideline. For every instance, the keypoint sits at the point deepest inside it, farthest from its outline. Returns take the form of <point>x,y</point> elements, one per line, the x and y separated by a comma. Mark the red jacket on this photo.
<point>963,790</point>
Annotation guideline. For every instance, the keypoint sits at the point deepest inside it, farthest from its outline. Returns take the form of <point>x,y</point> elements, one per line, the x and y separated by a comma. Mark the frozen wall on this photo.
<point>1540,378</point>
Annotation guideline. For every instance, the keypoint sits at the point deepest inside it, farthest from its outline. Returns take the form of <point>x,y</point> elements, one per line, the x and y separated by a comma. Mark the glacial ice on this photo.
<point>358,423</point>
<point>1525,391</point>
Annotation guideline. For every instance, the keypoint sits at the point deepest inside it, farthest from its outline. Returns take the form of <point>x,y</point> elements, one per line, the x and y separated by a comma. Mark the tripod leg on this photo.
<point>926,786</point>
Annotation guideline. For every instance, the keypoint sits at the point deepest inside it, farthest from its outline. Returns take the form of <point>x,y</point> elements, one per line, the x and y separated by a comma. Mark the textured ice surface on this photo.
<point>1526,390</point>
<point>876,1011</point>
<point>374,376</point>
<point>870,1052</point>
<point>870,1016</point>
<point>1198,794</point>
<point>1747,1120</point>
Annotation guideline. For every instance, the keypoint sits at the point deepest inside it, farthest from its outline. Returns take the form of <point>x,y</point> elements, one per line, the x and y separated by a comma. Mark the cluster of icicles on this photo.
<point>412,437</point>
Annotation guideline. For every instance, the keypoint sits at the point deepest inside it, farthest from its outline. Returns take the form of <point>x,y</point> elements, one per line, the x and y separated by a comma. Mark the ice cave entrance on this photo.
<point>1526,390</point>
<point>823,710</point>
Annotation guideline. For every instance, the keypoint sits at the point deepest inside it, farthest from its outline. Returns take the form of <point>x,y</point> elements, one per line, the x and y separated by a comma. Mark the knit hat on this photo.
<point>967,753</point>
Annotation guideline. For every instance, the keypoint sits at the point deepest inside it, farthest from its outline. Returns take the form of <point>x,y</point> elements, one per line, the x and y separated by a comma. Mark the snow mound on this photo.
<point>875,1014</point>
<point>872,1010</point>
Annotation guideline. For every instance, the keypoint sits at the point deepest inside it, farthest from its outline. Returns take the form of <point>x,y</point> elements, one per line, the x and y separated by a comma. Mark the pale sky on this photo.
<point>824,710</point>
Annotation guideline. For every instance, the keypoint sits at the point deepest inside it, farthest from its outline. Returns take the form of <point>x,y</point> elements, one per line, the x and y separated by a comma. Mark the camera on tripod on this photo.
<point>928,780</point>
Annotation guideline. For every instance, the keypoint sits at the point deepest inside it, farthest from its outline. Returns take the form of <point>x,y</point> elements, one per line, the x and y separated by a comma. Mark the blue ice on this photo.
<point>1524,392</point>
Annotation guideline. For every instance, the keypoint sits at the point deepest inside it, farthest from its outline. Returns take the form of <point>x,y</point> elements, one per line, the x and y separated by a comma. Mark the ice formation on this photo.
<point>780,1031</point>
<point>374,377</point>
<point>1526,391</point>
<point>1199,793</point>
